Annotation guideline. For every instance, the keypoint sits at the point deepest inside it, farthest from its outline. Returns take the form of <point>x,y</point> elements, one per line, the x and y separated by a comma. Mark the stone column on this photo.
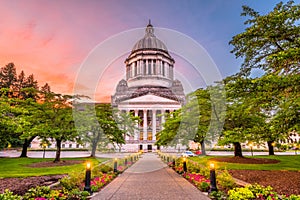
<point>158,64</point>
<point>136,132</point>
<point>146,66</point>
<point>167,70</point>
<point>154,125</point>
<point>145,125</point>
<point>126,136</point>
<point>162,118</point>
<point>152,66</point>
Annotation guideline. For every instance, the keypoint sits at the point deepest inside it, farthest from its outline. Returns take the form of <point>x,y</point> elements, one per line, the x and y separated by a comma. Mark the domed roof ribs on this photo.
<point>149,41</point>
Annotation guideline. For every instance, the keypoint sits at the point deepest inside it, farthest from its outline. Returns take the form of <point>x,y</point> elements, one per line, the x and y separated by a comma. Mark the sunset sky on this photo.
<point>52,38</point>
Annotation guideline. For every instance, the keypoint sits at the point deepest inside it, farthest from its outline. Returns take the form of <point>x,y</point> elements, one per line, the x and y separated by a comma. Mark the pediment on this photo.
<point>149,98</point>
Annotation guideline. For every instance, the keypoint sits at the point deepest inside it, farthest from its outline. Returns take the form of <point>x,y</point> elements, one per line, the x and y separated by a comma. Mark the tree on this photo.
<point>169,134</point>
<point>127,124</point>
<point>271,42</point>
<point>197,116</point>
<point>244,119</point>
<point>27,119</point>
<point>8,76</point>
<point>96,125</point>
<point>56,120</point>
<point>199,120</point>
<point>276,102</point>
<point>7,124</point>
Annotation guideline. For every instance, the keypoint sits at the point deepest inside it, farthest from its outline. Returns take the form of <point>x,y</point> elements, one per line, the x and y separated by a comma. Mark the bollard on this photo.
<point>115,165</point>
<point>184,165</point>
<point>87,186</point>
<point>213,182</point>
<point>125,163</point>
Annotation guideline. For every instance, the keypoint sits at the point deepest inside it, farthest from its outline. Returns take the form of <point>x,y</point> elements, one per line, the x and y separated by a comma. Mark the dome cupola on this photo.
<point>149,41</point>
<point>149,63</point>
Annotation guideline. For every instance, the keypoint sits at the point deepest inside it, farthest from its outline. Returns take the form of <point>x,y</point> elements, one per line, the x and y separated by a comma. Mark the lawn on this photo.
<point>18,167</point>
<point>287,162</point>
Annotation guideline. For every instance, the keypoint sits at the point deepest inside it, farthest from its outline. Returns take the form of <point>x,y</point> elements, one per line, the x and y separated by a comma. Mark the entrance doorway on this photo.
<point>149,148</point>
<point>140,147</point>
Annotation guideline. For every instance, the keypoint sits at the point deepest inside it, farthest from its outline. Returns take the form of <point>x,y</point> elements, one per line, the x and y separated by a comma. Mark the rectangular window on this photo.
<point>70,145</point>
<point>149,136</point>
<point>141,135</point>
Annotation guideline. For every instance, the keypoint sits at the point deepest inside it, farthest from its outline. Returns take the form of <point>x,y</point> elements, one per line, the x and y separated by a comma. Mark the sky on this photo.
<point>53,38</point>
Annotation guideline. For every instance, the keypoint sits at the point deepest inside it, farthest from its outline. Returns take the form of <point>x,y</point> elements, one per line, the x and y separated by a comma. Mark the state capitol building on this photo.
<point>149,90</point>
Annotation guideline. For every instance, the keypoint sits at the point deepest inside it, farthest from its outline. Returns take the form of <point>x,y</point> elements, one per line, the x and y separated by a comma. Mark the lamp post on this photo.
<point>251,148</point>
<point>87,186</point>
<point>173,161</point>
<point>116,165</point>
<point>125,161</point>
<point>184,164</point>
<point>213,182</point>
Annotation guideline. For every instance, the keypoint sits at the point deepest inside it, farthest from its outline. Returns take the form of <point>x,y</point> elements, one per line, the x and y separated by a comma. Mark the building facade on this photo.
<point>149,90</point>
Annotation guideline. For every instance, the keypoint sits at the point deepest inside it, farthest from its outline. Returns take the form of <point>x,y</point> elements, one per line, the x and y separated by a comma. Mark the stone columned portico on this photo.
<point>149,90</point>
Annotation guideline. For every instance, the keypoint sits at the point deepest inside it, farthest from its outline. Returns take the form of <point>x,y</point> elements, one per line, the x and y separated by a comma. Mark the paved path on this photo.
<point>149,179</point>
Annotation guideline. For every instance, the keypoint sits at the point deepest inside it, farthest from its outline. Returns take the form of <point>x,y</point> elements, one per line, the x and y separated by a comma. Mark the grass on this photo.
<point>18,167</point>
<point>287,162</point>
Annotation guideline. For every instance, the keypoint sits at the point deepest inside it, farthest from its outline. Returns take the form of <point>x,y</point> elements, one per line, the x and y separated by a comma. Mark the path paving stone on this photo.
<point>149,179</point>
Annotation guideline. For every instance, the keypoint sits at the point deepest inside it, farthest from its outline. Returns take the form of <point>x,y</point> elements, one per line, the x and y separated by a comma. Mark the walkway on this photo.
<point>149,178</point>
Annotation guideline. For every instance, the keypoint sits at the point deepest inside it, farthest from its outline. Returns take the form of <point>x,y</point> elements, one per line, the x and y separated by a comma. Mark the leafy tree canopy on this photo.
<point>271,42</point>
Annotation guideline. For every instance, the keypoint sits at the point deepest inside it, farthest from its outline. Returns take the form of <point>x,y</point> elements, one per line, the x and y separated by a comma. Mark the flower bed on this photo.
<point>72,186</point>
<point>199,176</point>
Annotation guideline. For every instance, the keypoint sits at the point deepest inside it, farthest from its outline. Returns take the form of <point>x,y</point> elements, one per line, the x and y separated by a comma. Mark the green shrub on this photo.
<point>225,180</point>
<point>38,191</point>
<point>192,167</point>
<point>73,181</point>
<point>203,186</point>
<point>261,191</point>
<point>77,194</point>
<point>8,195</point>
<point>103,168</point>
<point>205,171</point>
<point>240,193</point>
<point>217,195</point>
<point>291,197</point>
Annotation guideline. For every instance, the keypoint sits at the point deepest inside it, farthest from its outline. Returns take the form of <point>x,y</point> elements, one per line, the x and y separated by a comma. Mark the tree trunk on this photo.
<point>203,152</point>
<point>237,150</point>
<point>94,148</point>
<point>58,150</point>
<point>271,148</point>
<point>25,146</point>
